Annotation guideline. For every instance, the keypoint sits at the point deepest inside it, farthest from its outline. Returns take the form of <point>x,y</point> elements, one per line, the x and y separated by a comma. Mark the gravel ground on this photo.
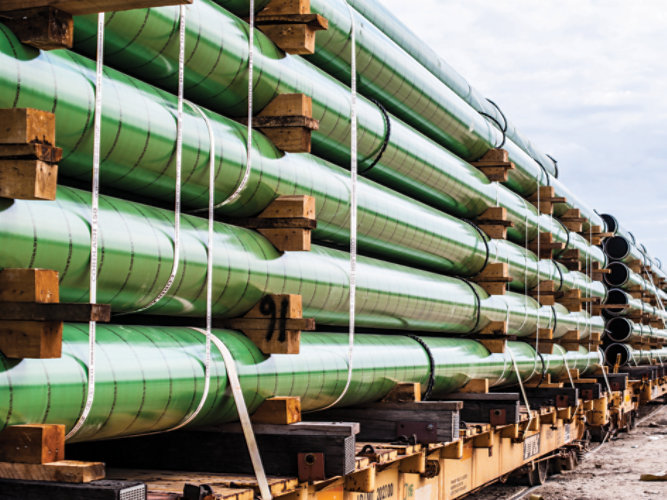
<point>611,472</point>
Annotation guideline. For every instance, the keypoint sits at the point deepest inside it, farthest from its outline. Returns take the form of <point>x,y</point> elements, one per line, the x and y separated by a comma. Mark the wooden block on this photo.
<point>289,344</point>
<point>79,7</point>
<point>290,139</point>
<point>542,334</point>
<point>571,299</point>
<point>494,345</point>
<point>289,207</point>
<point>35,311</point>
<point>297,38</point>
<point>495,164</point>
<point>32,444</point>
<point>29,285</point>
<point>287,7</point>
<point>403,392</point>
<point>479,385</point>
<point>545,292</point>
<point>65,471</point>
<point>28,179</point>
<point>573,220</point>
<point>494,328</point>
<point>546,245</point>
<point>31,339</point>
<point>289,105</point>
<point>279,410</point>
<point>493,221</point>
<point>571,336</point>
<point>31,151</point>
<point>274,324</point>
<point>496,271</point>
<point>545,198</point>
<point>289,306</point>
<point>26,125</point>
<point>45,28</point>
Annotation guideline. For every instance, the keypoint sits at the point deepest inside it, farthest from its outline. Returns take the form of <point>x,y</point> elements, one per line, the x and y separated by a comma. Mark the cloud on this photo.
<point>584,80</point>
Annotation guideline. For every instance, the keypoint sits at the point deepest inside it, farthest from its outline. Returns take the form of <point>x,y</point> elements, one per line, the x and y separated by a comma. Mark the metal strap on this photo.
<point>353,206</point>
<point>209,271</point>
<point>523,390</point>
<point>179,169</point>
<point>244,417</point>
<point>97,140</point>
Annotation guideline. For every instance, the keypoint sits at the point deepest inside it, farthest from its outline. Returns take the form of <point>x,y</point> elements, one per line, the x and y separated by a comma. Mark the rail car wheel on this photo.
<point>539,473</point>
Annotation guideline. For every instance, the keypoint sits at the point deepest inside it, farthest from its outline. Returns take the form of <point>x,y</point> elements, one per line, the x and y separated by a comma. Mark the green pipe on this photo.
<point>149,379</point>
<point>631,305</point>
<point>621,329</point>
<point>405,87</point>
<point>375,13</point>
<point>411,164</point>
<point>633,357</point>
<point>621,276</point>
<point>136,251</point>
<point>390,225</point>
<point>625,247</point>
<point>383,21</point>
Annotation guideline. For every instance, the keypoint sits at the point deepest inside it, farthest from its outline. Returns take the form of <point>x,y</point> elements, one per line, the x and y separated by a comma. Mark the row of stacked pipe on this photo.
<point>635,321</point>
<point>416,197</point>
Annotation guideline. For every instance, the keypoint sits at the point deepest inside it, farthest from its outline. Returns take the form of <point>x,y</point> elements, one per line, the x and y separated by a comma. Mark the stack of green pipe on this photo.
<point>445,244</point>
<point>375,14</point>
<point>215,74</point>
<point>136,252</point>
<point>627,248</point>
<point>622,276</point>
<point>150,379</point>
<point>414,94</point>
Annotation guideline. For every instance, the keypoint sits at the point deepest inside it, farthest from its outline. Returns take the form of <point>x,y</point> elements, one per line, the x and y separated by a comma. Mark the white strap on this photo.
<point>248,164</point>
<point>209,271</point>
<point>97,136</point>
<point>518,377</point>
<point>353,206</point>
<point>244,417</point>
<point>179,169</point>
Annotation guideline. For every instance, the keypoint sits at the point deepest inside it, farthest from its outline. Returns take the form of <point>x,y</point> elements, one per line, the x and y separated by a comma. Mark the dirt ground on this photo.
<point>610,472</point>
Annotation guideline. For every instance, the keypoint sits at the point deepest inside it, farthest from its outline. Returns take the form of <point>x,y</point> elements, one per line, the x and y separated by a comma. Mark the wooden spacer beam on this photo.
<point>32,444</point>
<point>545,292</point>
<point>573,220</point>
<point>495,164</point>
<point>547,245</point>
<point>278,410</point>
<point>288,122</point>
<point>286,222</point>
<point>547,199</point>
<point>28,158</point>
<point>494,278</point>
<point>494,222</point>
<point>274,324</point>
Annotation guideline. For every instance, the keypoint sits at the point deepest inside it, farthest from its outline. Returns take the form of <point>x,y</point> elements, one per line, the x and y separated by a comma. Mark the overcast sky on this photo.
<point>584,80</point>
